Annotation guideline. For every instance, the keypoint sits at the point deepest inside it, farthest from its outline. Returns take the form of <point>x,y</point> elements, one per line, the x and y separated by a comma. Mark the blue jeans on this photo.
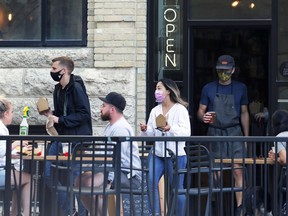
<point>2,177</point>
<point>156,170</point>
<point>63,198</point>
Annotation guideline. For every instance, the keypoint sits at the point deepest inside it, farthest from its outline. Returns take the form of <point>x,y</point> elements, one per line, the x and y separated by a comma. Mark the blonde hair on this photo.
<point>5,105</point>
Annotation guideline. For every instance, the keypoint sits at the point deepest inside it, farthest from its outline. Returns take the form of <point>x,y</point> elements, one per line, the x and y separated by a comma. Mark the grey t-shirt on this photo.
<point>281,145</point>
<point>123,128</point>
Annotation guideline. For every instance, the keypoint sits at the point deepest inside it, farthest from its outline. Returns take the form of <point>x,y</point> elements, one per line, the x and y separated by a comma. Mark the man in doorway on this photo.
<point>229,99</point>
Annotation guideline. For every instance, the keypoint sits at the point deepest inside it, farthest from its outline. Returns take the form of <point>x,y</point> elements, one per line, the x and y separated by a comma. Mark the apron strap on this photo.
<point>224,127</point>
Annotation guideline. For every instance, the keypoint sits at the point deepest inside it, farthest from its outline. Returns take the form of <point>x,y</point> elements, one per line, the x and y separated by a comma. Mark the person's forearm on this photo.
<point>200,115</point>
<point>282,160</point>
<point>245,123</point>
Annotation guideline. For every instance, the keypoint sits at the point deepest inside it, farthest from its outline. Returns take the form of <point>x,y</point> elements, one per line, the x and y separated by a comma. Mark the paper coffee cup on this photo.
<point>41,147</point>
<point>213,116</point>
<point>273,148</point>
<point>65,147</point>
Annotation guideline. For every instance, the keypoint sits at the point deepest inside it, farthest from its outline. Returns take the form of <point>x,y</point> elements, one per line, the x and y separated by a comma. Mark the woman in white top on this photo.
<point>280,129</point>
<point>6,115</point>
<point>173,108</point>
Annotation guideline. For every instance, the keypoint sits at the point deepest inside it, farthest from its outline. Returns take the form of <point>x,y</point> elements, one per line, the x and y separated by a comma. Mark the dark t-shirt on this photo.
<point>238,89</point>
<point>61,101</point>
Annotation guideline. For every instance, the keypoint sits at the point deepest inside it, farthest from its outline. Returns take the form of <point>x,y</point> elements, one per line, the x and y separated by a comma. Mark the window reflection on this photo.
<point>20,19</point>
<point>234,9</point>
<point>23,20</point>
<point>63,19</point>
<point>282,74</point>
<point>283,98</point>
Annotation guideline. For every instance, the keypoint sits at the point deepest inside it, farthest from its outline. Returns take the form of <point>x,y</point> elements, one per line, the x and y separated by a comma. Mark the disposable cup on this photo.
<point>41,147</point>
<point>65,147</point>
<point>213,116</point>
<point>273,148</point>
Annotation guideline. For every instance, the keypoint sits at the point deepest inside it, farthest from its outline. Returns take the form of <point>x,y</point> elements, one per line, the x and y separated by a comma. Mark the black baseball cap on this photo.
<point>115,99</point>
<point>225,62</point>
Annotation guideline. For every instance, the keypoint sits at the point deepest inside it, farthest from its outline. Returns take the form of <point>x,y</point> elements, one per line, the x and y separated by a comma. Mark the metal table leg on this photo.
<point>36,178</point>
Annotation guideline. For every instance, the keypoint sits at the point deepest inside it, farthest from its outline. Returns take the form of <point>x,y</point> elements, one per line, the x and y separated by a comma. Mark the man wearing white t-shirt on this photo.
<point>112,111</point>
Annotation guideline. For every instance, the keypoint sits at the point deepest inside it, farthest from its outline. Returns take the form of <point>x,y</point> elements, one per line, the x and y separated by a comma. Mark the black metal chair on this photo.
<point>139,207</point>
<point>208,181</point>
<point>94,158</point>
<point>283,190</point>
<point>13,187</point>
<point>60,172</point>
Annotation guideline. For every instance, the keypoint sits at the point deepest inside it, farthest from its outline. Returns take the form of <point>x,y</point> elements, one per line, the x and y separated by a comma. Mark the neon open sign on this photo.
<point>172,41</point>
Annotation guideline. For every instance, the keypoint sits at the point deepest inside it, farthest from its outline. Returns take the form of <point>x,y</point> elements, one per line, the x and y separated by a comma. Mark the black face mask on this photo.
<point>56,76</point>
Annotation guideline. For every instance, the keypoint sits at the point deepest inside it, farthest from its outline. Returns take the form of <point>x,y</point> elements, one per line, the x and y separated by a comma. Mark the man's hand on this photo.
<point>47,112</point>
<point>54,118</point>
<point>207,118</point>
<point>271,155</point>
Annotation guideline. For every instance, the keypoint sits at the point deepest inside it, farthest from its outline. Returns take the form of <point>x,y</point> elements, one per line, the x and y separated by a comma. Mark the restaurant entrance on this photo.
<point>250,49</point>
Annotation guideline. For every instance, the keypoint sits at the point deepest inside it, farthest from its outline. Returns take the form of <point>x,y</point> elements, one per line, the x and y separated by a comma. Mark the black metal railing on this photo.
<point>208,182</point>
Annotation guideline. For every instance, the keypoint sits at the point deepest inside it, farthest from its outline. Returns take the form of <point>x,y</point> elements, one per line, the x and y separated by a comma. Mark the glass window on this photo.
<point>19,20</point>
<point>233,9</point>
<point>65,25</point>
<point>282,74</point>
<point>283,98</point>
<point>42,23</point>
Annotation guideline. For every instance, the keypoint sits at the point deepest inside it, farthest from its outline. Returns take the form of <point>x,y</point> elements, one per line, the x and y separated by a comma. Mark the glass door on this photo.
<point>250,49</point>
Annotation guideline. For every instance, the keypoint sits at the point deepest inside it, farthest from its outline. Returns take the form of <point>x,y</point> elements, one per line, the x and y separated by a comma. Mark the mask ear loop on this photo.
<point>63,69</point>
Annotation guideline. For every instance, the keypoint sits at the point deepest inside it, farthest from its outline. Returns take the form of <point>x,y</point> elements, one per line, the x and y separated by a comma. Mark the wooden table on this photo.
<point>251,163</point>
<point>40,158</point>
<point>246,161</point>
<point>36,176</point>
<point>58,158</point>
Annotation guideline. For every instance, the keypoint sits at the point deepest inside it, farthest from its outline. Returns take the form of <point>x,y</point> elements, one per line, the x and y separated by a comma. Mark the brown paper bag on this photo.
<point>50,127</point>
<point>161,121</point>
<point>42,105</point>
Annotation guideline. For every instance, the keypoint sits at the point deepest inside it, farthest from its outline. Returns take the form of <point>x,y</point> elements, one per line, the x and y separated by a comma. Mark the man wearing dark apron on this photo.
<point>229,100</point>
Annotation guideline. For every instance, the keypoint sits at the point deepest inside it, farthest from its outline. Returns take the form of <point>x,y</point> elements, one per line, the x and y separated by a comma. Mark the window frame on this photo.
<point>43,42</point>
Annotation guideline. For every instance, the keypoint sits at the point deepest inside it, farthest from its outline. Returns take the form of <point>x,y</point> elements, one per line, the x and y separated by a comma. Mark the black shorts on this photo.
<point>135,182</point>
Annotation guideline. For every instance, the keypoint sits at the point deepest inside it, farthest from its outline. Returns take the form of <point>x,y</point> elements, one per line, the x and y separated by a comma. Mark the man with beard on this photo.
<point>112,111</point>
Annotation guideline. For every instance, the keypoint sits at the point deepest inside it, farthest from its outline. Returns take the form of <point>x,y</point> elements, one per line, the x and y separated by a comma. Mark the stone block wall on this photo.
<point>114,60</point>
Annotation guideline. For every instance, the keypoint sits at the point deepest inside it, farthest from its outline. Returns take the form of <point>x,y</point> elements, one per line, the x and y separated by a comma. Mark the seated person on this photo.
<point>6,115</point>
<point>279,123</point>
<point>112,111</point>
